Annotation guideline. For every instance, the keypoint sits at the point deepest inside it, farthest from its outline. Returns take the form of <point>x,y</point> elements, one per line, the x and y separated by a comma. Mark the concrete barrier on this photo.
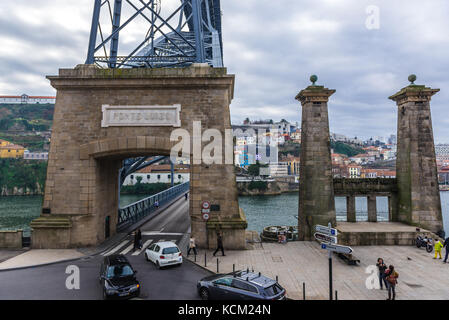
<point>11,239</point>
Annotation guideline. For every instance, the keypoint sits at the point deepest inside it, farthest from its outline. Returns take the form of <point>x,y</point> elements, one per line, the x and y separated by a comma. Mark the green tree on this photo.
<point>254,169</point>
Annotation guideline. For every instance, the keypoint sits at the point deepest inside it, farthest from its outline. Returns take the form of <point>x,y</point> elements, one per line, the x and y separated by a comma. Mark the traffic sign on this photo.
<point>326,230</point>
<point>325,238</point>
<point>205,216</point>
<point>336,248</point>
<point>205,205</point>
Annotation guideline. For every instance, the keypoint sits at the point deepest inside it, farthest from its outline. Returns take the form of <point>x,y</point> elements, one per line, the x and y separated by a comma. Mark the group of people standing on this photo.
<point>389,277</point>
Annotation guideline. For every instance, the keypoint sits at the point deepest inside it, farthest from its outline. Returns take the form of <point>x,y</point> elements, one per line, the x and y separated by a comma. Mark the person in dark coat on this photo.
<point>219,244</point>
<point>446,245</point>
<point>137,240</point>
<point>382,277</point>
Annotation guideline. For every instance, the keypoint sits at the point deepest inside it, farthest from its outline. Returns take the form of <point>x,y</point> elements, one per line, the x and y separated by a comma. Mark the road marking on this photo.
<point>145,245</point>
<point>152,233</point>
<point>115,249</point>
<point>128,248</point>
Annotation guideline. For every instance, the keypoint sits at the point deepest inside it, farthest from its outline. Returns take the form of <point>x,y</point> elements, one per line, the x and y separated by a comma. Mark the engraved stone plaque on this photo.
<point>141,116</point>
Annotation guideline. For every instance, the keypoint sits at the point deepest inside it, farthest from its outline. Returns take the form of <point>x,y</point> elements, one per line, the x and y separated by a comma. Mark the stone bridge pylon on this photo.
<point>103,116</point>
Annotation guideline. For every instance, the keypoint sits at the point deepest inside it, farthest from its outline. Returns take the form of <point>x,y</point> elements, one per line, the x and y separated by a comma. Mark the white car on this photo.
<point>164,254</point>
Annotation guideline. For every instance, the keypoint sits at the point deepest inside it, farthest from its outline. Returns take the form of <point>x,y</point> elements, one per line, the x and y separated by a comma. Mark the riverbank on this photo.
<point>19,177</point>
<point>267,187</point>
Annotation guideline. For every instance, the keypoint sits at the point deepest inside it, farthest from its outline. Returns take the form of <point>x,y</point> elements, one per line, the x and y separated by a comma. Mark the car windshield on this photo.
<point>170,250</point>
<point>273,290</point>
<point>119,271</point>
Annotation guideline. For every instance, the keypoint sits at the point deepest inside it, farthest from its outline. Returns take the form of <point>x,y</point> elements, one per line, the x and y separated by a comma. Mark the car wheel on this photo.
<point>146,257</point>
<point>158,265</point>
<point>204,294</point>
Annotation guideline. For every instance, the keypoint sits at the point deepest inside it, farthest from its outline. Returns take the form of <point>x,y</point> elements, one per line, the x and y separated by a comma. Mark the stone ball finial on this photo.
<point>313,79</point>
<point>412,78</point>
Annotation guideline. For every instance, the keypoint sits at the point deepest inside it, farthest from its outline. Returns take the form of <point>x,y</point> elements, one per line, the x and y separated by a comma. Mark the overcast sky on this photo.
<point>272,46</point>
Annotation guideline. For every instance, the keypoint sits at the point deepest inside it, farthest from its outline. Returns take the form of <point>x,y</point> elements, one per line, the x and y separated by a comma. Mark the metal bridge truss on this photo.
<point>135,212</point>
<point>190,33</point>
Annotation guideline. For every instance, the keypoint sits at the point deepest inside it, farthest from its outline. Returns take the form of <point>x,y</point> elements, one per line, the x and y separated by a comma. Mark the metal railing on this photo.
<point>145,207</point>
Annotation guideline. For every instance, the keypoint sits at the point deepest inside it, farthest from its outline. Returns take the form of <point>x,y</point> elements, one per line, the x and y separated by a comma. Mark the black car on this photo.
<point>118,278</point>
<point>240,285</point>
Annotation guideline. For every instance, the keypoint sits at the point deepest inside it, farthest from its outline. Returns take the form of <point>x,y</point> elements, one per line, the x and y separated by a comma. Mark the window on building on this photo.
<point>132,177</point>
<point>169,176</point>
<point>179,176</point>
<point>148,177</point>
<point>158,176</point>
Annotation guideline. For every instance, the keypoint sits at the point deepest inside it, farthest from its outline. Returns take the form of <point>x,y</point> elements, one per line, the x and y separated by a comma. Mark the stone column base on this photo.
<point>49,232</point>
<point>233,230</point>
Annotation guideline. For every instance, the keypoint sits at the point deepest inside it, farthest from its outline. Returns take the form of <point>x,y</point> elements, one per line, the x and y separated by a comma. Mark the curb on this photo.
<point>199,265</point>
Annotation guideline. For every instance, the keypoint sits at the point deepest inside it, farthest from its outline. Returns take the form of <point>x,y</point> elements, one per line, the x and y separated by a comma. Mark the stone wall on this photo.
<point>378,186</point>
<point>11,239</point>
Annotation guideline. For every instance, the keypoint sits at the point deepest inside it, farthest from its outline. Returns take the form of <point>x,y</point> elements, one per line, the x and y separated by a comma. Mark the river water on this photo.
<point>261,211</point>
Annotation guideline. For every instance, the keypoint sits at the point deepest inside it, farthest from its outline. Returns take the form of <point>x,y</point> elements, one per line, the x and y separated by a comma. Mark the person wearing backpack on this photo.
<point>392,280</point>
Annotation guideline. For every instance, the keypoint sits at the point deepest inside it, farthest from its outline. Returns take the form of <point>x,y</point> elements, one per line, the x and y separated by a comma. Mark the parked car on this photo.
<point>118,278</point>
<point>241,285</point>
<point>164,254</point>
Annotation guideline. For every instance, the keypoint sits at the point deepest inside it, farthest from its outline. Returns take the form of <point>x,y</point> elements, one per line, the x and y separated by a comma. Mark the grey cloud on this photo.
<point>274,46</point>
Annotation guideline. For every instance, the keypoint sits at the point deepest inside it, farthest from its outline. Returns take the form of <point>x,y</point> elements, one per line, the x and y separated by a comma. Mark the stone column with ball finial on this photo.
<point>316,191</point>
<point>416,169</point>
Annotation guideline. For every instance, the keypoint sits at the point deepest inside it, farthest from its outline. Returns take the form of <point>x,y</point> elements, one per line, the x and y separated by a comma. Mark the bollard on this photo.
<point>218,262</point>
<point>336,295</point>
<point>233,268</point>
<point>277,279</point>
<point>195,257</point>
<point>205,259</point>
<point>304,291</point>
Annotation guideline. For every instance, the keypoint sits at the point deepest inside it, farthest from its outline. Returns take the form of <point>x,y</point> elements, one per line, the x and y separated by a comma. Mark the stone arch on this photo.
<point>127,146</point>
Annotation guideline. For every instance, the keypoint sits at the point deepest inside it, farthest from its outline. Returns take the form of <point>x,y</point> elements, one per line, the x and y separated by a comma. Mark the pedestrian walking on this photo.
<point>392,280</point>
<point>219,244</point>
<point>438,247</point>
<point>186,196</point>
<point>137,240</point>
<point>446,245</point>
<point>156,204</point>
<point>382,276</point>
<point>192,246</point>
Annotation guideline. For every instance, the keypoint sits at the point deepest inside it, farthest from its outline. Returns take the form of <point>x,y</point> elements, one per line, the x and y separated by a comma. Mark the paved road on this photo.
<point>48,282</point>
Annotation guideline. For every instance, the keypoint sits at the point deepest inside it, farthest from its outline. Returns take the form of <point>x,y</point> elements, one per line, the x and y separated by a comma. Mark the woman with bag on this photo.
<point>392,280</point>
